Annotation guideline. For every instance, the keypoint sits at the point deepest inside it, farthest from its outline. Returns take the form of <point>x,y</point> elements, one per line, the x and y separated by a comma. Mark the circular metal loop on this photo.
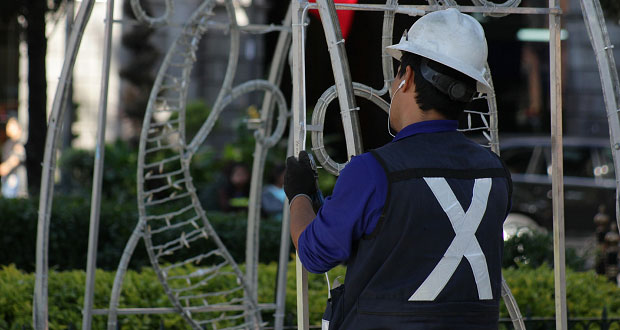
<point>318,118</point>
<point>487,3</point>
<point>143,17</point>
<point>264,85</point>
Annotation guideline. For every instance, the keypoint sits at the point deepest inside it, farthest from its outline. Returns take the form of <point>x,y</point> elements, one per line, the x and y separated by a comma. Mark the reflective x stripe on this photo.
<point>465,242</point>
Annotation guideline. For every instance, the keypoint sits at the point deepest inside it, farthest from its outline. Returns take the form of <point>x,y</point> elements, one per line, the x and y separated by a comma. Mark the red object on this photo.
<point>344,16</point>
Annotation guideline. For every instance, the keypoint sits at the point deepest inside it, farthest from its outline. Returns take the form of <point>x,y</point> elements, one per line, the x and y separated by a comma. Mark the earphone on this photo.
<point>402,83</point>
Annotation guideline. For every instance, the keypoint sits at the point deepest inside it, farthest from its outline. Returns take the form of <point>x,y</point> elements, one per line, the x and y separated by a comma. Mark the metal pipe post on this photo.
<point>418,10</point>
<point>95,203</point>
<point>285,245</point>
<point>299,131</point>
<point>68,117</point>
<point>387,40</point>
<point>603,50</point>
<point>39,310</point>
<point>555,72</point>
<point>275,73</point>
<point>258,168</point>
<point>342,76</point>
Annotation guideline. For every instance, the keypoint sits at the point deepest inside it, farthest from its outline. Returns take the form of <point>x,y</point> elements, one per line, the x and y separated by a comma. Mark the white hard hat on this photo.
<point>448,37</point>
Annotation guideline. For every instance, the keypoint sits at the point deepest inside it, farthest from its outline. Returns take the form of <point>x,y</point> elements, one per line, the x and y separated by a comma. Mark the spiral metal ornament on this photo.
<point>172,220</point>
<point>258,85</point>
<point>144,18</point>
<point>318,118</point>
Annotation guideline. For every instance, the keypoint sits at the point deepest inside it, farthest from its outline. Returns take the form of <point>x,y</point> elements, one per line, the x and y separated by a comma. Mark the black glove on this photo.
<point>299,177</point>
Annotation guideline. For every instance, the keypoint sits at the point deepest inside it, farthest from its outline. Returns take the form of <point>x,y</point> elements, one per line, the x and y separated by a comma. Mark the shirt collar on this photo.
<point>429,126</point>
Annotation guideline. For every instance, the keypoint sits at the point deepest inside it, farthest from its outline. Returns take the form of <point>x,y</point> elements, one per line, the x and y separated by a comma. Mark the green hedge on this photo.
<point>535,249</point>
<point>140,289</point>
<point>588,294</point>
<point>69,233</point>
<point>70,222</point>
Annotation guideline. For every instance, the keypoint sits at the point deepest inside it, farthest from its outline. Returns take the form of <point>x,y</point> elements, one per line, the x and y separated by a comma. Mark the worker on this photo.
<point>418,221</point>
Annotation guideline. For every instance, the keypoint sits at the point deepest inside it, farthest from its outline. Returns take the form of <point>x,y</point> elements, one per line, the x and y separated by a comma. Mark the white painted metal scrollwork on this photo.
<point>171,217</point>
<point>144,18</point>
<point>318,118</point>
<point>481,3</point>
<point>491,4</point>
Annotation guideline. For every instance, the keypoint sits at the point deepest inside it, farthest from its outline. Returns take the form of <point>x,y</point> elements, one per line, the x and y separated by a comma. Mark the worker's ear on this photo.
<point>408,79</point>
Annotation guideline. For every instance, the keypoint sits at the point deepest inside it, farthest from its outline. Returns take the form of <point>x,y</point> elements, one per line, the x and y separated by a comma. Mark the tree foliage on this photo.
<point>33,14</point>
<point>138,71</point>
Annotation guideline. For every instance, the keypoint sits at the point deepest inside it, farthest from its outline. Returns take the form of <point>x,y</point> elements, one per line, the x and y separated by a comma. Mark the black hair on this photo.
<point>428,96</point>
<point>275,173</point>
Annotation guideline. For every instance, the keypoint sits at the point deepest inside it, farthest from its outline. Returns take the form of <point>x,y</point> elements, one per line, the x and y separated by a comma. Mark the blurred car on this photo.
<point>589,182</point>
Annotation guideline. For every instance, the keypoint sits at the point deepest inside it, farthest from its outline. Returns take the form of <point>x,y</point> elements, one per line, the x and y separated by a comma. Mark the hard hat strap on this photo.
<point>455,89</point>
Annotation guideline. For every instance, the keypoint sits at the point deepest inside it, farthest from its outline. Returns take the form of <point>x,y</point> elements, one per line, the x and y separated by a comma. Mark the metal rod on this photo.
<point>318,118</point>
<point>557,185</point>
<point>342,76</point>
<point>387,31</point>
<point>95,204</point>
<point>512,307</point>
<point>231,69</point>
<point>421,9</point>
<point>143,17</point>
<point>299,121</point>
<point>285,245</point>
<point>276,71</point>
<point>40,303</point>
<point>599,37</point>
<point>120,275</point>
<point>68,116</point>
<point>493,129</point>
<point>171,310</point>
<point>221,26</point>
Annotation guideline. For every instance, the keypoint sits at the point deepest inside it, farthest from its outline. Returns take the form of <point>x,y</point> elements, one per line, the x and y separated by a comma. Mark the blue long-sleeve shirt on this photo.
<point>355,206</point>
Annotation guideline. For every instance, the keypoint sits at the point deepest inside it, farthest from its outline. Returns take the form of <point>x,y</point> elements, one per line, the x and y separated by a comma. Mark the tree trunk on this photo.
<point>37,92</point>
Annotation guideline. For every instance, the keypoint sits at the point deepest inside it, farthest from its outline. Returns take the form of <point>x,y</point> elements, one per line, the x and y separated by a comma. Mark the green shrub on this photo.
<point>70,222</point>
<point>119,176</point>
<point>588,294</point>
<point>140,289</point>
<point>536,249</point>
<point>69,227</point>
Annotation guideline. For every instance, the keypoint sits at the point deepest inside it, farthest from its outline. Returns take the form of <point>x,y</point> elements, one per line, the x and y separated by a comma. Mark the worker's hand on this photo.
<point>299,177</point>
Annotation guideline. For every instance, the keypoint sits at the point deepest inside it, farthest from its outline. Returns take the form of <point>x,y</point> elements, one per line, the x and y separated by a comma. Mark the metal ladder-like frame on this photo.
<point>345,90</point>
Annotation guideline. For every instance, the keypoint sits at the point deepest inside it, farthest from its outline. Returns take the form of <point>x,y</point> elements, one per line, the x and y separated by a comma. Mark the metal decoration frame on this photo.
<point>163,133</point>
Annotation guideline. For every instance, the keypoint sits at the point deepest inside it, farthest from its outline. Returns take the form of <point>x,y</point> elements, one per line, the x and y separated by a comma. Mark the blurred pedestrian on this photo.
<point>273,193</point>
<point>234,194</point>
<point>12,168</point>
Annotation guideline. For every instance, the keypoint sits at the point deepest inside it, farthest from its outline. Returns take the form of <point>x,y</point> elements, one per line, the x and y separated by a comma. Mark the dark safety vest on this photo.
<point>434,258</point>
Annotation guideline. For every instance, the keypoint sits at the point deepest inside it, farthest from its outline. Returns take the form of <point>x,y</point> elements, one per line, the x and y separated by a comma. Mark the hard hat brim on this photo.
<point>482,85</point>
